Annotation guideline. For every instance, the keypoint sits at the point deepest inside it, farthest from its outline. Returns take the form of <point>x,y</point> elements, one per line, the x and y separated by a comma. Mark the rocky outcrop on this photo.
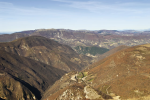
<point>75,86</point>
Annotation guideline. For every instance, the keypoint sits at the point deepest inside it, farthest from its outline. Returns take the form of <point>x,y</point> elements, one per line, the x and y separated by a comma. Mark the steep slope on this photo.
<point>11,89</point>
<point>47,51</point>
<point>123,75</point>
<point>22,77</point>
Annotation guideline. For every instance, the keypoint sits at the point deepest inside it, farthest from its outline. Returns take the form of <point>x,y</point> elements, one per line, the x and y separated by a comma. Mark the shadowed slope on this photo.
<point>33,75</point>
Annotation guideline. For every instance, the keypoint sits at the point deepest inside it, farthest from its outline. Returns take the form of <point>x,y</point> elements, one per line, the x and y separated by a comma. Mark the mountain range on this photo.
<point>102,38</point>
<point>60,64</point>
<point>34,64</point>
<point>47,51</point>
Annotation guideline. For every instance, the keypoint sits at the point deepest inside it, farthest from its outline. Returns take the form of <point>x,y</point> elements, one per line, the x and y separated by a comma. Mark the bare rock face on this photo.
<point>47,51</point>
<point>74,93</point>
<point>91,93</point>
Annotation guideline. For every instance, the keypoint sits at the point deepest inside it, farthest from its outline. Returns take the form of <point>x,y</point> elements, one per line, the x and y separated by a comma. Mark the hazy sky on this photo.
<point>19,15</point>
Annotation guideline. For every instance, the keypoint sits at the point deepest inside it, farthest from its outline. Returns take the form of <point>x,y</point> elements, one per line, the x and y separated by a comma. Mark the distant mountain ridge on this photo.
<point>35,67</point>
<point>102,38</point>
<point>6,33</point>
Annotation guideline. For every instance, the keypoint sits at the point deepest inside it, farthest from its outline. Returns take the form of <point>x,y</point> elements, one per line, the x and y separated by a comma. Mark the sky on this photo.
<point>21,15</point>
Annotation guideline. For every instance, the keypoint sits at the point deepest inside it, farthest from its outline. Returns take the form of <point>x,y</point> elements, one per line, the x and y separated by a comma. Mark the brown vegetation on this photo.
<point>33,76</point>
<point>47,51</point>
<point>122,75</point>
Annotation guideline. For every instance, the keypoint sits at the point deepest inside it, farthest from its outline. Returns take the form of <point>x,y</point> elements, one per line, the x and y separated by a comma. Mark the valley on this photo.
<point>24,78</point>
<point>74,50</point>
<point>92,51</point>
<point>61,64</point>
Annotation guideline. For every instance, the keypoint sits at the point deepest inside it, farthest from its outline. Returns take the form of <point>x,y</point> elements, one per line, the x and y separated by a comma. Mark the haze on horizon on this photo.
<point>19,15</point>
